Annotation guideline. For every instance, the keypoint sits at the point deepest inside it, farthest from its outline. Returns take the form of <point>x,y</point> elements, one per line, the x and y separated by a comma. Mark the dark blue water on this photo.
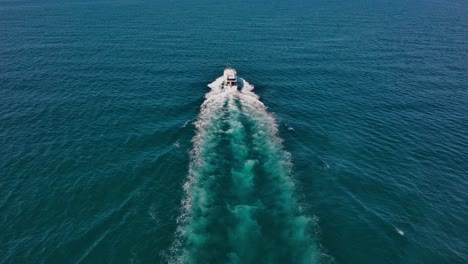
<point>114,150</point>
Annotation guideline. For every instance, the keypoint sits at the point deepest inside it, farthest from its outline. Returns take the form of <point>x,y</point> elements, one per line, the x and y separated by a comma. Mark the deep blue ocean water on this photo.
<point>114,150</point>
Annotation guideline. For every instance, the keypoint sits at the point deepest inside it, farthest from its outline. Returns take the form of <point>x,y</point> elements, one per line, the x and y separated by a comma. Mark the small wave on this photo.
<point>400,232</point>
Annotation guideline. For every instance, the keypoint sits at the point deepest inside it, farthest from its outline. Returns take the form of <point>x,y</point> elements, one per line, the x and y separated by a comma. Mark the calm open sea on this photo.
<point>347,142</point>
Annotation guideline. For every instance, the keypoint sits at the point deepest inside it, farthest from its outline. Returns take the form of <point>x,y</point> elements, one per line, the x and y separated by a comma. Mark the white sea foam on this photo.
<point>186,123</point>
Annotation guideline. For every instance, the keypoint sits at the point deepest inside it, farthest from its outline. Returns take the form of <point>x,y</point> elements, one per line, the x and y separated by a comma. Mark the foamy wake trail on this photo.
<point>239,205</point>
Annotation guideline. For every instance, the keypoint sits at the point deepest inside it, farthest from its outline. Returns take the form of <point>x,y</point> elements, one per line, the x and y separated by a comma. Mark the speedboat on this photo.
<point>230,78</point>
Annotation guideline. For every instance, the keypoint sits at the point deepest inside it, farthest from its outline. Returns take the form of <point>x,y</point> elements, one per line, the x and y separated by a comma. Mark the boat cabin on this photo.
<point>230,77</point>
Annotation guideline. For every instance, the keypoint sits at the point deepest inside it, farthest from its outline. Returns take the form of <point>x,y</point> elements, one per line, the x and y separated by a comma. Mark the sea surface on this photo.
<point>347,141</point>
